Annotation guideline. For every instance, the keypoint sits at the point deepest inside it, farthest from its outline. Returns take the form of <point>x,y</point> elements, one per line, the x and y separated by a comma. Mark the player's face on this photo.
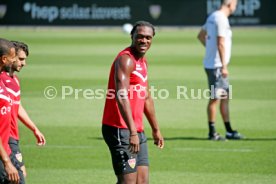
<point>20,61</point>
<point>233,6</point>
<point>142,38</point>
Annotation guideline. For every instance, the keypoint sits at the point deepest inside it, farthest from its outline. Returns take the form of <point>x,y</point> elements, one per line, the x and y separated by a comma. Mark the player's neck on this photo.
<point>1,68</point>
<point>137,55</point>
<point>11,73</point>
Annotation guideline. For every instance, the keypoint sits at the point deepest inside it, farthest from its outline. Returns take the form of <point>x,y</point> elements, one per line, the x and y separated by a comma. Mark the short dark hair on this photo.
<point>142,23</point>
<point>5,46</point>
<point>20,45</point>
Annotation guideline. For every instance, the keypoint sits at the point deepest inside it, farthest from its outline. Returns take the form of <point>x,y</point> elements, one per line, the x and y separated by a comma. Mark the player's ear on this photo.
<point>3,59</point>
<point>132,40</point>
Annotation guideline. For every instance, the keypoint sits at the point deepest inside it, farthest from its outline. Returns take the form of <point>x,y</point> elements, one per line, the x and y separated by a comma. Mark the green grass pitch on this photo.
<point>80,59</point>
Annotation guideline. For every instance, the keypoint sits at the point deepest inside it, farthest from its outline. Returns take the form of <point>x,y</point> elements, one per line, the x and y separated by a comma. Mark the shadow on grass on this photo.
<point>184,138</point>
<point>205,139</point>
<point>166,138</point>
<point>202,139</point>
<point>259,139</point>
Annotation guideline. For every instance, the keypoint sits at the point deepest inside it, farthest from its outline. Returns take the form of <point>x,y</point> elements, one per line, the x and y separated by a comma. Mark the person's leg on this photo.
<point>224,109</point>
<point>212,104</point>
<point>211,110</point>
<point>14,145</point>
<point>127,178</point>
<point>142,175</point>
<point>143,161</point>
<point>224,104</point>
<point>124,163</point>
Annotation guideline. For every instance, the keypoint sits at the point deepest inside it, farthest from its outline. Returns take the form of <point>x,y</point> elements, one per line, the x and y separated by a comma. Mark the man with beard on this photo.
<point>11,82</point>
<point>9,170</point>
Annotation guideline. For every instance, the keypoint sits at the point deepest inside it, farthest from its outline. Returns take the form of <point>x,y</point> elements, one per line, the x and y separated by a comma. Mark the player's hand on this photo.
<point>12,173</point>
<point>134,144</point>
<point>224,72</point>
<point>41,141</point>
<point>158,139</point>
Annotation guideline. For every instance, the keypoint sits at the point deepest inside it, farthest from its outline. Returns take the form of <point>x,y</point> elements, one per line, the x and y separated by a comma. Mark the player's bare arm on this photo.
<point>123,68</point>
<point>221,50</point>
<point>26,120</point>
<point>202,36</point>
<point>149,111</point>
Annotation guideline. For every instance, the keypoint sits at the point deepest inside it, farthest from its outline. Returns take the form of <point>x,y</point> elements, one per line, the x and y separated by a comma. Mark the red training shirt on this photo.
<point>5,117</point>
<point>136,94</point>
<point>13,87</point>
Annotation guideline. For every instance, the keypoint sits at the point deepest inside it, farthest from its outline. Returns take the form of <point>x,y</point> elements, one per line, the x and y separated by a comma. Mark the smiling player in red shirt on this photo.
<point>128,98</point>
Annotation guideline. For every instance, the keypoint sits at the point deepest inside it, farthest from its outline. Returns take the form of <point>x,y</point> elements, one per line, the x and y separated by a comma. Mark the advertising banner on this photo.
<point>118,12</point>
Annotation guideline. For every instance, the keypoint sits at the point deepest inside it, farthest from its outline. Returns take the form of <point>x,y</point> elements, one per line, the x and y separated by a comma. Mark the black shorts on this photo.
<point>123,161</point>
<point>3,174</point>
<point>14,145</point>
<point>218,85</point>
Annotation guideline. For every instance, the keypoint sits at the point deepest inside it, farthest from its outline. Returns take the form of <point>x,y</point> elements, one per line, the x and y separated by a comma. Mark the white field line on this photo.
<point>49,146</point>
<point>214,150</point>
<point>58,146</point>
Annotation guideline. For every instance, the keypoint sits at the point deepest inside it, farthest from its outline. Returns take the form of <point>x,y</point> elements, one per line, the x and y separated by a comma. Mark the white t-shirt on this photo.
<point>217,24</point>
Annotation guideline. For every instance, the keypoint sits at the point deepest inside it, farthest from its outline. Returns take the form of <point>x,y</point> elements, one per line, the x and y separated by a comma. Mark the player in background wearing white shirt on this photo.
<point>216,36</point>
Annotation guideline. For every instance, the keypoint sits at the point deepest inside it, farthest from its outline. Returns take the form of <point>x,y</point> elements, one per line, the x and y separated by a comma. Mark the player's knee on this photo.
<point>212,102</point>
<point>143,175</point>
<point>143,180</point>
